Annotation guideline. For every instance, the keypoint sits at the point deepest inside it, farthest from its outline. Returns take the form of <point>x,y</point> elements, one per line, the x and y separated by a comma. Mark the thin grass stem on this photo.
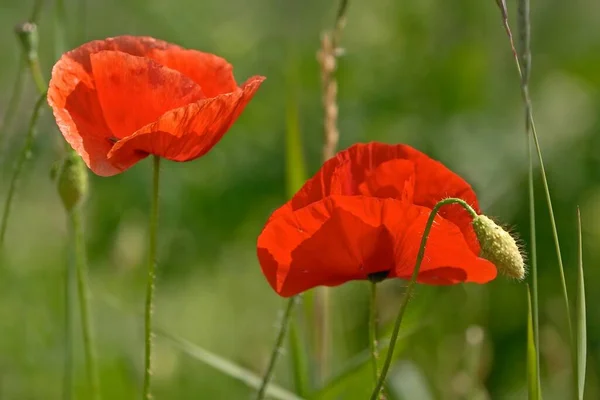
<point>525,60</point>
<point>529,111</point>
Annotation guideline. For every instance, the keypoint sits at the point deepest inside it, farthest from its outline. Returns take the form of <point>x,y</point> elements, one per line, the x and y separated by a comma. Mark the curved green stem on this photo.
<point>277,348</point>
<point>22,158</point>
<point>36,74</point>
<point>410,288</point>
<point>84,298</point>
<point>151,278</point>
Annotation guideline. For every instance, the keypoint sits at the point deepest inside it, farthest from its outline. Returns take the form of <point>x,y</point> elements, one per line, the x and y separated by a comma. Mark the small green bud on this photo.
<point>72,181</point>
<point>499,247</point>
<point>28,37</point>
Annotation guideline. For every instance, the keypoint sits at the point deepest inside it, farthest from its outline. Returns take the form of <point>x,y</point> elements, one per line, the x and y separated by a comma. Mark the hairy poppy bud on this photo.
<point>28,37</point>
<point>72,181</point>
<point>499,247</point>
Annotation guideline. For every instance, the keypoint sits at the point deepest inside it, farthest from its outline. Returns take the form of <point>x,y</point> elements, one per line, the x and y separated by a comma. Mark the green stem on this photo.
<point>151,278</point>
<point>19,82</point>
<point>525,40</point>
<point>24,155</point>
<point>373,343</point>
<point>36,10</point>
<point>373,330</point>
<point>36,74</point>
<point>84,299</point>
<point>75,217</point>
<point>68,327</point>
<point>410,288</point>
<point>323,331</point>
<point>533,260</point>
<point>277,348</point>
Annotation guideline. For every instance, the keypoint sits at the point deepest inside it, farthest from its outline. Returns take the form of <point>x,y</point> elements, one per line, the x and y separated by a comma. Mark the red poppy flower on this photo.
<point>364,213</point>
<point>118,100</point>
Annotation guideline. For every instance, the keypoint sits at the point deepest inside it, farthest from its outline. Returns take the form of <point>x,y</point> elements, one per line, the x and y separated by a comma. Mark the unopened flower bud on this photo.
<point>72,181</point>
<point>28,37</point>
<point>499,247</point>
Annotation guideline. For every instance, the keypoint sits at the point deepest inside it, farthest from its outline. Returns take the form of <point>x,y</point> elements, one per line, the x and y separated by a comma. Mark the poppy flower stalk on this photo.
<point>150,284</point>
<point>373,344</point>
<point>410,288</point>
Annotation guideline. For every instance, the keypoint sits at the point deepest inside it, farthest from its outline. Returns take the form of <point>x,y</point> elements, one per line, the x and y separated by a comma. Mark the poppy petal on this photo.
<point>327,243</point>
<point>357,173</point>
<point>392,171</point>
<point>136,91</point>
<point>188,132</point>
<point>213,73</point>
<point>434,182</point>
<point>342,238</point>
<point>74,102</point>
<point>139,46</point>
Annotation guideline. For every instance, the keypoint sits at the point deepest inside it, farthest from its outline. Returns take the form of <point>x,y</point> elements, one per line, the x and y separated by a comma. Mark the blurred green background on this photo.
<point>435,74</point>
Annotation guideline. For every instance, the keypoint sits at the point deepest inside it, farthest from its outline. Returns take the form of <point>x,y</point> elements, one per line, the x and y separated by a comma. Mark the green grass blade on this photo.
<point>533,381</point>
<point>227,367</point>
<point>527,100</point>
<point>295,167</point>
<point>581,328</point>
<point>299,359</point>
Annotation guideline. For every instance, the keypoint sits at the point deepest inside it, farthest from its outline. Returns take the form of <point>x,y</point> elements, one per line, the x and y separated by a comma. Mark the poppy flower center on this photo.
<point>378,276</point>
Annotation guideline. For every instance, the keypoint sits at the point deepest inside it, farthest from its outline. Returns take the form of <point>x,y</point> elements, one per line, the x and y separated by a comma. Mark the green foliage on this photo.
<point>433,74</point>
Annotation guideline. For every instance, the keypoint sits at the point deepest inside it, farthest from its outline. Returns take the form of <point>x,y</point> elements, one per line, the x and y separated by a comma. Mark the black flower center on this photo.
<point>377,277</point>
